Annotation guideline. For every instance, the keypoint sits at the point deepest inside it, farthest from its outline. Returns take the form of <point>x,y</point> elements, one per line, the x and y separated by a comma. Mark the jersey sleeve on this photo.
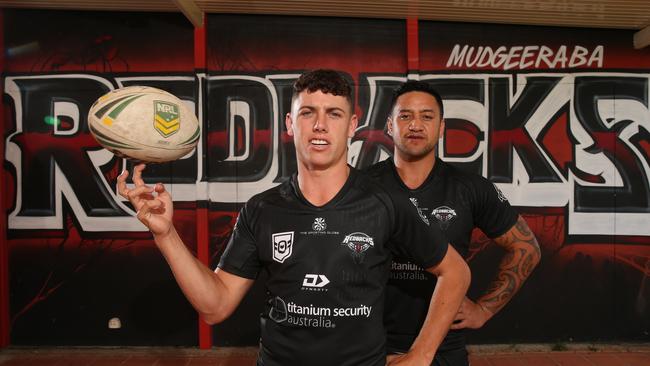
<point>241,256</point>
<point>493,214</point>
<point>413,236</point>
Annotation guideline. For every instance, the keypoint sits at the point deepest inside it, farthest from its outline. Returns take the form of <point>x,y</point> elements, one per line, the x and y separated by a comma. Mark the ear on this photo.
<point>441,130</point>
<point>288,122</point>
<point>352,126</point>
<point>389,126</point>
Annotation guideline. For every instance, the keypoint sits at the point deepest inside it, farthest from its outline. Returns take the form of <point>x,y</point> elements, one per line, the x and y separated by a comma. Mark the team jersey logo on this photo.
<point>414,201</point>
<point>358,243</point>
<point>444,215</point>
<point>319,224</point>
<point>282,246</point>
<point>502,197</point>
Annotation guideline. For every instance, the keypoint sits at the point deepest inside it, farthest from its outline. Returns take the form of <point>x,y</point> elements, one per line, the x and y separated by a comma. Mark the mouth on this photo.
<point>415,137</point>
<point>319,142</point>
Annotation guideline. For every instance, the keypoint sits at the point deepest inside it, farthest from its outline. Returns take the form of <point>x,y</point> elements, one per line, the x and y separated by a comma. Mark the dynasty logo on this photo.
<point>315,282</point>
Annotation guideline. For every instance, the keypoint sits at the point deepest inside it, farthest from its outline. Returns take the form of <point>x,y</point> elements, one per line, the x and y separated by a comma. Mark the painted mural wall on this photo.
<point>558,118</point>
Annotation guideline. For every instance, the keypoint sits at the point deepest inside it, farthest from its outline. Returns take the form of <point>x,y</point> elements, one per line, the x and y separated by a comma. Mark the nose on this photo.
<point>415,125</point>
<point>319,124</point>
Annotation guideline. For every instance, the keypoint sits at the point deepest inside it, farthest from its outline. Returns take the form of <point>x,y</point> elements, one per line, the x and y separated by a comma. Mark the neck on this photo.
<point>319,186</point>
<point>414,172</point>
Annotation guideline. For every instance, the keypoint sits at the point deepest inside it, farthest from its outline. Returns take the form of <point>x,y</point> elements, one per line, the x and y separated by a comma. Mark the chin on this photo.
<point>415,154</point>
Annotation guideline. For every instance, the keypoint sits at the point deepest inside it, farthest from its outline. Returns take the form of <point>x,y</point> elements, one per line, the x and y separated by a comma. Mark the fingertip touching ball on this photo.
<point>144,124</point>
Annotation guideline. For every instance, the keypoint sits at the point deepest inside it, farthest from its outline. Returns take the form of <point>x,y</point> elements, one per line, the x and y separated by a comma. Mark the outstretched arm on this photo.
<point>453,280</point>
<point>215,295</point>
<point>522,255</point>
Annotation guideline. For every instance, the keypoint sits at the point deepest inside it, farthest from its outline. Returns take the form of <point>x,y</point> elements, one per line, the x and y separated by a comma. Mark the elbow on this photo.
<point>213,319</point>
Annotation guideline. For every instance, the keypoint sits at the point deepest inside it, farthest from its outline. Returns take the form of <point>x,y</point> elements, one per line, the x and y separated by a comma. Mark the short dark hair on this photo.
<point>326,80</point>
<point>416,86</point>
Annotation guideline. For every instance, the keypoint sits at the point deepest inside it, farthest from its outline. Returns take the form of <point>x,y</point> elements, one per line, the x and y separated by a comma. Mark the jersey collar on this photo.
<point>334,201</point>
<point>433,174</point>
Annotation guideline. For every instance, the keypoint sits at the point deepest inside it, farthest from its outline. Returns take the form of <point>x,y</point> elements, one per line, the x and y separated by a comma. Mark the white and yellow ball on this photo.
<point>144,124</point>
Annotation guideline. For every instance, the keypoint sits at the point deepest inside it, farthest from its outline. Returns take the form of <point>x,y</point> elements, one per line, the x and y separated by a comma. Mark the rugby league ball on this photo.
<point>144,124</point>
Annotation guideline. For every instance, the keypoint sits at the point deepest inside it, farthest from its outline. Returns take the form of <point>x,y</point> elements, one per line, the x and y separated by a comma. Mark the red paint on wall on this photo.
<point>412,44</point>
<point>200,46</point>
<point>202,221</point>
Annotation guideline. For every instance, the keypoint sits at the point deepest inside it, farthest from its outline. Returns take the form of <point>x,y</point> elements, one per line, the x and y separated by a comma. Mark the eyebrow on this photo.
<point>331,109</point>
<point>411,110</point>
<point>328,109</point>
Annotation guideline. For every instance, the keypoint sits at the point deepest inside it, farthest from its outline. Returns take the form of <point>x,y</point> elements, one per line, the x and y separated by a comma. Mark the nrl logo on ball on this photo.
<point>166,118</point>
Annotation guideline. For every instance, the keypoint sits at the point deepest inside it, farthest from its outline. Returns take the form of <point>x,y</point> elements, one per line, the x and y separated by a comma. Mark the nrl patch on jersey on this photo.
<point>282,246</point>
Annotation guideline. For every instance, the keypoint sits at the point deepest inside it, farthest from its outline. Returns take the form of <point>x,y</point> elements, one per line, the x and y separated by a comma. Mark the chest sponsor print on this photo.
<point>319,227</point>
<point>406,271</point>
<point>319,224</point>
<point>312,316</point>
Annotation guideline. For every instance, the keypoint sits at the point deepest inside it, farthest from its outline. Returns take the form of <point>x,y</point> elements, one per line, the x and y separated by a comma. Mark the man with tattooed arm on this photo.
<point>457,202</point>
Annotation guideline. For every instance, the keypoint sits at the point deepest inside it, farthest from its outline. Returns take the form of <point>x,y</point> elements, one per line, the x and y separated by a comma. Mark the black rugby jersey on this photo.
<point>327,268</point>
<point>456,202</point>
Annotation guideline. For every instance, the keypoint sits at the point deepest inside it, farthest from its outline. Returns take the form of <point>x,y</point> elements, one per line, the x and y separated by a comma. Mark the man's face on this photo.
<point>415,125</point>
<point>321,125</point>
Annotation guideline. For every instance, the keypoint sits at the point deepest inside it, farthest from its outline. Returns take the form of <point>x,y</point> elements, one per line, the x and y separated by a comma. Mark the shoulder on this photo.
<point>464,179</point>
<point>395,201</point>
<point>368,180</point>
<point>379,169</point>
<point>270,197</point>
<point>369,183</point>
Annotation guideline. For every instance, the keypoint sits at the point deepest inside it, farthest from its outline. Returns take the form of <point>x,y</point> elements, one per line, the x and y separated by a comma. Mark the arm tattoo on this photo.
<point>522,256</point>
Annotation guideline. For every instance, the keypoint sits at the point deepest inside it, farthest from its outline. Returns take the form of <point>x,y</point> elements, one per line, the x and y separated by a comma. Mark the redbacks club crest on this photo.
<point>166,118</point>
<point>282,246</point>
<point>444,215</point>
<point>358,243</point>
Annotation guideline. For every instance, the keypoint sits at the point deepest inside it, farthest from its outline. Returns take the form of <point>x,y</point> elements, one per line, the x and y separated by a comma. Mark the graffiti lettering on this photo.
<point>574,140</point>
<point>525,57</point>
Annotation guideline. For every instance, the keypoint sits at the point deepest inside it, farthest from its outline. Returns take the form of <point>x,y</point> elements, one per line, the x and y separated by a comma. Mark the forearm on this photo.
<point>522,256</point>
<point>451,287</point>
<point>199,284</point>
